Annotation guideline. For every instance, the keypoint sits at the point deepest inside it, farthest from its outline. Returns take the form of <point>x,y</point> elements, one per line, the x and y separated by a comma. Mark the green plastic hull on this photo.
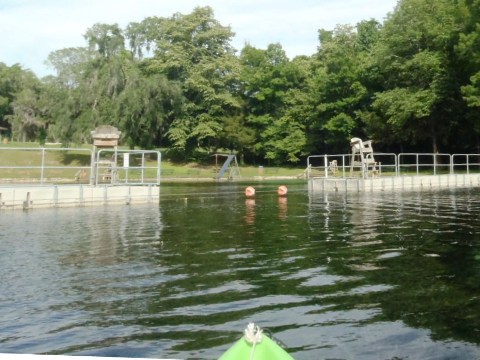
<point>266,350</point>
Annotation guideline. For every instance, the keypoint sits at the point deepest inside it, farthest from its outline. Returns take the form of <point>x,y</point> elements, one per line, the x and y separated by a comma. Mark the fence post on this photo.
<point>325,164</point>
<point>92,167</point>
<point>398,163</point>
<point>395,157</point>
<point>159,162</point>
<point>42,170</point>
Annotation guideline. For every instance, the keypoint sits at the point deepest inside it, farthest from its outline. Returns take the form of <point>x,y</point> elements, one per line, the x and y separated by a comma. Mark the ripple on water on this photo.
<point>335,276</point>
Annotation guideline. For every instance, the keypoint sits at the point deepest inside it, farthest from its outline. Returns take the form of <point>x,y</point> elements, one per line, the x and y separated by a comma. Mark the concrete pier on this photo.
<point>43,196</point>
<point>393,183</point>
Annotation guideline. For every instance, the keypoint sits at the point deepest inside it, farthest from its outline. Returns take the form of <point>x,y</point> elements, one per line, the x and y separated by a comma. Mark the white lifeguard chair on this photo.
<point>362,157</point>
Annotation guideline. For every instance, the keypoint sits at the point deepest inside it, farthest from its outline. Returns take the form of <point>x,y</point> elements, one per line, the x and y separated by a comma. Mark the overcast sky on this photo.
<point>31,29</point>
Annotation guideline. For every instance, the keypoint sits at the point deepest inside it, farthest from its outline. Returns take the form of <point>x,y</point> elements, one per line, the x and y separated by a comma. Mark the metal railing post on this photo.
<point>395,160</point>
<point>92,166</point>
<point>159,166</point>
<point>325,165</point>
<point>398,163</point>
<point>42,170</point>
<point>143,166</point>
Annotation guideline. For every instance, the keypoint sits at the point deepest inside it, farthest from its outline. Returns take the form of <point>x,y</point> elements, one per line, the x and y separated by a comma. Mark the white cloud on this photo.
<point>32,29</point>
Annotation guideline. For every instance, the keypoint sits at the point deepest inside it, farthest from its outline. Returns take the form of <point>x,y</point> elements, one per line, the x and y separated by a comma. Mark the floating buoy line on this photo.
<point>250,192</point>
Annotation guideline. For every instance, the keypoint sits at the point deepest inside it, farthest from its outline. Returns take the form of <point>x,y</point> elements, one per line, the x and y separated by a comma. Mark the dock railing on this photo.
<point>389,164</point>
<point>465,163</point>
<point>127,167</point>
<point>59,165</point>
<point>28,165</point>
<point>424,164</point>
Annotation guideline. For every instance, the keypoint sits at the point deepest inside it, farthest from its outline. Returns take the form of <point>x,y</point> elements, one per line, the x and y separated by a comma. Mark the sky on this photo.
<point>31,29</point>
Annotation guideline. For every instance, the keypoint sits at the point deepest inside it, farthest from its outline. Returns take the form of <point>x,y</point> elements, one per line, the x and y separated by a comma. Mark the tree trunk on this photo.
<point>434,144</point>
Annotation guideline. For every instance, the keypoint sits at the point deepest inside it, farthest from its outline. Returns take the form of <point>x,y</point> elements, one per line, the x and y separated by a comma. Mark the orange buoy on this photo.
<point>250,191</point>
<point>282,190</point>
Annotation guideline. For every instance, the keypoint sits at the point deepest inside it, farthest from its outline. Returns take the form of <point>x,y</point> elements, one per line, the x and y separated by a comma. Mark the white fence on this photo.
<point>389,164</point>
<point>47,165</point>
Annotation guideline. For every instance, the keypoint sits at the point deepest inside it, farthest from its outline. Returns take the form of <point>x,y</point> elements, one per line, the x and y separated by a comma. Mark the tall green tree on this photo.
<point>468,52</point>
<point>413,64</point>
<point>104,74</point>
<point>89,80</point>
<point>268,79</point>
<point>68,95</point>
<point>146,108</point>
<point>194,51</point>
<point>337,90</point>
<point>340,89</point>
<point>20,91</point>
<point>13,80</point>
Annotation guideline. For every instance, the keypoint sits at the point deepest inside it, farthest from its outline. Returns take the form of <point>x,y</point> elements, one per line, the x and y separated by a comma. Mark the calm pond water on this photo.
<point>332,276</point>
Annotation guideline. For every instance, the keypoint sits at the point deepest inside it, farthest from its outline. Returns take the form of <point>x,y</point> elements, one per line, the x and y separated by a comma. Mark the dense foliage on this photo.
<point>409,83</point>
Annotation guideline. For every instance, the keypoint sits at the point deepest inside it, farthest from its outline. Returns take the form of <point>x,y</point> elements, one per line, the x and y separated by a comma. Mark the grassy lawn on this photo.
<point>22,161</point>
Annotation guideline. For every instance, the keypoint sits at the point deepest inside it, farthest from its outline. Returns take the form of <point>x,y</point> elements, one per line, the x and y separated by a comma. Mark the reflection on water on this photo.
<point>250,211</point>
<point>357,276</point>
<point>282,208</point>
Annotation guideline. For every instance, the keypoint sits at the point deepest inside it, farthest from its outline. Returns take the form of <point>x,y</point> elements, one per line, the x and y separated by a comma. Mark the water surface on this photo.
<point>332,276</point>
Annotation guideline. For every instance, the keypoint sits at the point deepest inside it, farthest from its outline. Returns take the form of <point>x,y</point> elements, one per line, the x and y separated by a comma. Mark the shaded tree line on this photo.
<point>409,83</point>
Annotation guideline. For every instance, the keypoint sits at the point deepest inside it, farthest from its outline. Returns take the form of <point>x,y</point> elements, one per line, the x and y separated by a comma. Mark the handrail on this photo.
<point>468,162</point>
<point>419,164</point>
<point>38,162</point>
<point>398,164</point>
<point>42,163</point>
<point>127,173</point>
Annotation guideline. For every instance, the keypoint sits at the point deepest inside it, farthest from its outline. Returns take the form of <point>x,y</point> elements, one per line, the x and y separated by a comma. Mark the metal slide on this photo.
<point>225,166</point>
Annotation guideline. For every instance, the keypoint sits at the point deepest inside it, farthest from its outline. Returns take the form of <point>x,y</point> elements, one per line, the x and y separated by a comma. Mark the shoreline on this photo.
<point>63,181</point>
